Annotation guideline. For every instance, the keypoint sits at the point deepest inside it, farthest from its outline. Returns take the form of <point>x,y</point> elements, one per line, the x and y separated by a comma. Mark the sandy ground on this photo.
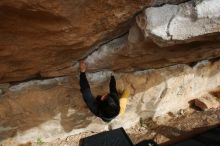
<point>172,128</point>
<point>163,130</point>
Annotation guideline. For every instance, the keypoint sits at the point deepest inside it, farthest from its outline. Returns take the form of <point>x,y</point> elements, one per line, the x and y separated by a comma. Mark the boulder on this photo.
<point>207,102</point>
<point>166,52</point>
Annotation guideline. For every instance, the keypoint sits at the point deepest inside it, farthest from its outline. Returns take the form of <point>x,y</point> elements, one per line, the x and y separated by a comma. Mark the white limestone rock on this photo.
<point>184,21</point>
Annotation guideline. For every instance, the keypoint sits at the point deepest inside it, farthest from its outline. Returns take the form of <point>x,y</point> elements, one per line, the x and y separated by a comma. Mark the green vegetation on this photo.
<point>39,142</point>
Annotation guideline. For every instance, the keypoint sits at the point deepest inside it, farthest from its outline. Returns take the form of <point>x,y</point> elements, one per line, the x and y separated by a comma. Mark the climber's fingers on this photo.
<point>82,66</point>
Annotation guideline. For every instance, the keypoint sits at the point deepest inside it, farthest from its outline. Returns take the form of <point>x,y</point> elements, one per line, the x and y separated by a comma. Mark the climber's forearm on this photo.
<point>83,81</point>
<point>112,85</point>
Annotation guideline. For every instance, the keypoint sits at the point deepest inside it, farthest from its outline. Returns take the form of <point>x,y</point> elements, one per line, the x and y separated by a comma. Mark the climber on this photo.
<point>107,106</point>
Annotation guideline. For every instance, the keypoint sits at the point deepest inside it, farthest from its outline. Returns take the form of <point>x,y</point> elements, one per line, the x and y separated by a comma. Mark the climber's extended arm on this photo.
<point>85,89</point>
<point>113,90</point>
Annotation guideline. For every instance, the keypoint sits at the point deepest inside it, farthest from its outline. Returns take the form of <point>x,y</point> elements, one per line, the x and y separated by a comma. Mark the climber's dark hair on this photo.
<point>109,108</point>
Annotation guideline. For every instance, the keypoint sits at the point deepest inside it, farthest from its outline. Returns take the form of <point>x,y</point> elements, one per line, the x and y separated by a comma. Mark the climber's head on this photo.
<point>108,107</point>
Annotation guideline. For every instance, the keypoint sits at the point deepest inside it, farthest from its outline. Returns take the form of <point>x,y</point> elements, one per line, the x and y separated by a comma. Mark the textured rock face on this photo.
<point>54,108</point>
<point>38,37</point>
<point>47,38</point>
